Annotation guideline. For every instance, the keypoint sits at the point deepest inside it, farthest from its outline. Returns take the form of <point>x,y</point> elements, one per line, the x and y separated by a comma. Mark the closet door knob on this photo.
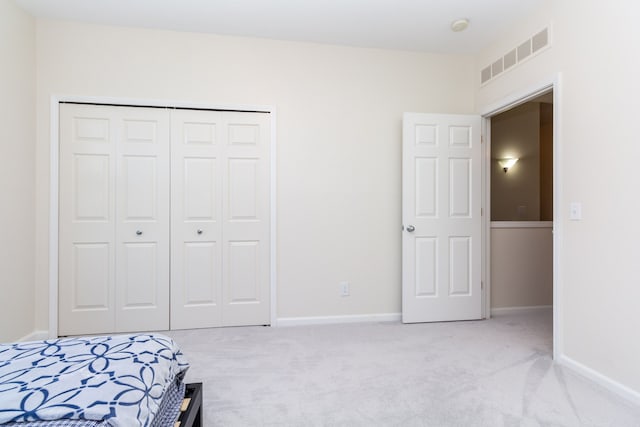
<point>410,228</point>
<point>199,231</point>
<point>139,233</point>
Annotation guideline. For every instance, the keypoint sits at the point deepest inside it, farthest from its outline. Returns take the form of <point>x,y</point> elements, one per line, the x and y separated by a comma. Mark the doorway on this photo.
<point>520,189</point>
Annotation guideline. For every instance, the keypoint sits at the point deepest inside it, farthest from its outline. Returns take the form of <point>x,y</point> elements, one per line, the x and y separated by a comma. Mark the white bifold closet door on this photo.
<point>113,219</point>
<point>164,219</point>
<point>220,219</point>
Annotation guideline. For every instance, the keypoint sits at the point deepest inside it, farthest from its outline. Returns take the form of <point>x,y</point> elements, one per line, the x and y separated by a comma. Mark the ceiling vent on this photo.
<point>528,49</point>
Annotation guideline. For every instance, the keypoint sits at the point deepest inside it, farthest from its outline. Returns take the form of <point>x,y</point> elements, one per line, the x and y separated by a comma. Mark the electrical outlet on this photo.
<point>344,289</point>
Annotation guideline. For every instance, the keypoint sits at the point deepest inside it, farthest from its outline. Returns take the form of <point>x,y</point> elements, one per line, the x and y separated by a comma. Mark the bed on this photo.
<point>106,381</point>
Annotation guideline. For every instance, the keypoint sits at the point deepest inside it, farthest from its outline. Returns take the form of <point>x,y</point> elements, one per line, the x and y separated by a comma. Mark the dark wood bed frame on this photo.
<point>191,410</point>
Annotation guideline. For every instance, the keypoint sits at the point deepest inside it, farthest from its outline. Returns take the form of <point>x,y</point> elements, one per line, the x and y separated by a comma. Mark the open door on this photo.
<point>441,212</point>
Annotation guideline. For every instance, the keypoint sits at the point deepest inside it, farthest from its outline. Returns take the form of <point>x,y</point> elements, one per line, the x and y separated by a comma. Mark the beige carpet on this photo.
<point>485,373</point>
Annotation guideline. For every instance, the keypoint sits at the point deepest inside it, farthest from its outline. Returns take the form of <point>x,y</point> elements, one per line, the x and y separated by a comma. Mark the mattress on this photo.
<point>108,381</point>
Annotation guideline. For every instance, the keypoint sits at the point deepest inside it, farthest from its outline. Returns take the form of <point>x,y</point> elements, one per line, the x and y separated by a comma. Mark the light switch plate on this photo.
<point>575,211</point>
<point>344,289</point>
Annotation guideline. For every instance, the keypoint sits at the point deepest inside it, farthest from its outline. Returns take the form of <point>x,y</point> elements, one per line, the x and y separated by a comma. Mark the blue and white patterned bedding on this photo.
<point>116,380</point>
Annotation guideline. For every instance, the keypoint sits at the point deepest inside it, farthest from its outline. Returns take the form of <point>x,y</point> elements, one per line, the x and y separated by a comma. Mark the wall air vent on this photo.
<point>525,50</point>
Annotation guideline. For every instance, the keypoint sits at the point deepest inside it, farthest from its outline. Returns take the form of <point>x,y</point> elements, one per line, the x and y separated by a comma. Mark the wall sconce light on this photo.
<point>505,164</point>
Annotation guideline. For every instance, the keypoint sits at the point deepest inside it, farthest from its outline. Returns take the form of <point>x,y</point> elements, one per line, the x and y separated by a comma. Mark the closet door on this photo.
<point>142,215</point>
<point>113,223</point>
<point>196,219</point>
<point>246,292</point>
<point>220,219</point>
<point>86,282</point>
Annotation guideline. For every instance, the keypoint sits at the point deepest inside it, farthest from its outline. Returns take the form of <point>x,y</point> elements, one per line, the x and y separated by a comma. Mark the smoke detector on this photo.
<point>459,25</point>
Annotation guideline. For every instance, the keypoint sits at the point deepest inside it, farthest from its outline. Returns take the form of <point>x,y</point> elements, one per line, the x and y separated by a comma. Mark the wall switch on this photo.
<point>344,289</point>
<point>575,211</point>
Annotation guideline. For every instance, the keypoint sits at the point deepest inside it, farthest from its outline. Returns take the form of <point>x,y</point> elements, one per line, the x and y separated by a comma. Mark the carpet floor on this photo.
<point>496,372</point>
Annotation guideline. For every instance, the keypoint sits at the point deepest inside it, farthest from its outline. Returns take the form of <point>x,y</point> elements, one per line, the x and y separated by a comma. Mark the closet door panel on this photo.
<point>201,277</point>
<point>142,230</point>
<point>246,215</point>
<point>196,209</point>
<point>243,189</point>
<point>114,183</point>
<point>139,284</point>
<point>200,191</point>
<point>86,246</point>
<point>141,195</point>
<point>91,176</point>
<point>91,278</point>
<point>244,272</point>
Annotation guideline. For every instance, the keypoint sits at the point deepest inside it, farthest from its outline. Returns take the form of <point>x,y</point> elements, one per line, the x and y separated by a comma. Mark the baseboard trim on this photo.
<point>35,336</point>
<point>332,320</point>
<point>513,310</point>
<point>595,376</point>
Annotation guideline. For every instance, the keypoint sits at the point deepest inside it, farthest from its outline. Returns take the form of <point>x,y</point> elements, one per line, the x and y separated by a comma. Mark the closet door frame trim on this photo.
<point>54,189</point>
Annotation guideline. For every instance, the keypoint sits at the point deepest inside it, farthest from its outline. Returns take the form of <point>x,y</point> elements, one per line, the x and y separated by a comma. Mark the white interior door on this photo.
<point>113,184</point>
<point>220,219</point>
<point>441,210</point>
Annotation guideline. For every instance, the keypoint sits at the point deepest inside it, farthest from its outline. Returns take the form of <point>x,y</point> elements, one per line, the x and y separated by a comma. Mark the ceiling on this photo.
<point>417,25</point>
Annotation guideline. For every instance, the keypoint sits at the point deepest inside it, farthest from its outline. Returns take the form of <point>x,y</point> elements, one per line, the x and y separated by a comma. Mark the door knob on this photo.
<point>199,231</point>
<point>139,233</point>
<point>410,228</point>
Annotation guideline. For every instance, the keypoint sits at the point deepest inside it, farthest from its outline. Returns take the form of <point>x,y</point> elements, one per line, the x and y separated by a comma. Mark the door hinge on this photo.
<point>481,139</point>
<point>481,285</point>
<point>481,212</point>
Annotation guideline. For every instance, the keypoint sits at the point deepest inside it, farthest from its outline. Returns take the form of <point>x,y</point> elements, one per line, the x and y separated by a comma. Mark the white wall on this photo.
<point>17,172</point>
<point>521,265</point>
<point>338,149</point>
<point>594,47</point>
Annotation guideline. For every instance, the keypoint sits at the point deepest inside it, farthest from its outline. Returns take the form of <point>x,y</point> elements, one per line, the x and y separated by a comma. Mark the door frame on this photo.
<point>54,187</point>
<point>513,100</point>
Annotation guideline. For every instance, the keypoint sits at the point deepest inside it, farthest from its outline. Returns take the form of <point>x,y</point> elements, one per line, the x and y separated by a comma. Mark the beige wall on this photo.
<point>17,186</point>
<point>339,115</point>
<point>515,195</point>
<point>521,266</point>
<point>593,47</point>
